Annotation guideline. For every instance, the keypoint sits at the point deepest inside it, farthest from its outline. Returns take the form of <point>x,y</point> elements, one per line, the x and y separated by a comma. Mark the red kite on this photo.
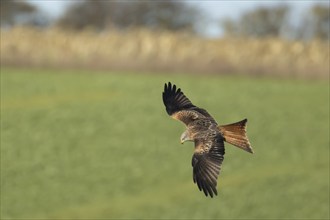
<point>207,135</point>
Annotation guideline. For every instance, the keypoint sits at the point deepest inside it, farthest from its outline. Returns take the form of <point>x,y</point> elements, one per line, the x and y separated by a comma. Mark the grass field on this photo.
<point>80,145</point>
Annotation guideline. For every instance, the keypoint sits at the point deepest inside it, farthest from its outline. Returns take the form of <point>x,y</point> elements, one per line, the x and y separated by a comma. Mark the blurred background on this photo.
<point>84,133</point>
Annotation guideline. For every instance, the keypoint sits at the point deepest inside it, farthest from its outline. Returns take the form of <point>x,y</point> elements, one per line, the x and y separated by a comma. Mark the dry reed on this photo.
<point>163,51</point>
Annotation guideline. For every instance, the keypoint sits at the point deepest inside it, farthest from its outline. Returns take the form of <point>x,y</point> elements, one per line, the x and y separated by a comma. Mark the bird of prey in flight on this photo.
<point>208,136</point>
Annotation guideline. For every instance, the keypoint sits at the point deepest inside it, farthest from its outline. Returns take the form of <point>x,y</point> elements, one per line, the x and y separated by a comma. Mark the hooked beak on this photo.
<point>181,142</point>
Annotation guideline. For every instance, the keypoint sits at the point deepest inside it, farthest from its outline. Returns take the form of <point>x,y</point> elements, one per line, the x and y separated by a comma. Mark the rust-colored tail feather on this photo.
<point>235,134</point>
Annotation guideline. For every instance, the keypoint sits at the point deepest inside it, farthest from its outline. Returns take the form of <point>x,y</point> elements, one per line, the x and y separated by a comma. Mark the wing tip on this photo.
<point>208,190</point>
<point>167,86</point>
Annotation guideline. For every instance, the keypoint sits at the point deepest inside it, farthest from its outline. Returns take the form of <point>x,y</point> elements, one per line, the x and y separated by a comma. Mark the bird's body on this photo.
<point>208,136</point>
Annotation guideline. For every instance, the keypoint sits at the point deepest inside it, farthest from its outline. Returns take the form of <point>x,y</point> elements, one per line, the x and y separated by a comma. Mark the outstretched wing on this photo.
<point>206,162</point>
<point>174,99</point>
<point>179,106</point>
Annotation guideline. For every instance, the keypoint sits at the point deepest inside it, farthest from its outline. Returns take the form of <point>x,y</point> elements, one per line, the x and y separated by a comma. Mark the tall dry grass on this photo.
<point>163,51</point>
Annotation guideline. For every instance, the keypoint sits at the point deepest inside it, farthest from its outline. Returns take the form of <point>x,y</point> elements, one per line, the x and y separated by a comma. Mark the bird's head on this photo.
<point>185,136</point>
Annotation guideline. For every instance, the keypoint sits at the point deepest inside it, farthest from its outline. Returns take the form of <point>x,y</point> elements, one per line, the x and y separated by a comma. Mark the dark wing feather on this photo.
<point>207,164</point>
<point>174,99</point>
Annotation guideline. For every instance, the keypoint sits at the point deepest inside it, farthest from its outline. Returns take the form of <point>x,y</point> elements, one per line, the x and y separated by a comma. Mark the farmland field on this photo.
<point>76,144</point>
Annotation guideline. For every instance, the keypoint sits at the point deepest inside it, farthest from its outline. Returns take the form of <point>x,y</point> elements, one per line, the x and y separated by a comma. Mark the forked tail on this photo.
<point>235,134</point>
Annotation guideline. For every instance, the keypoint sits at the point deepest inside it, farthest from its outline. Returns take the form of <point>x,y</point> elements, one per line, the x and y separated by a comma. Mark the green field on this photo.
<point>76,144</point>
